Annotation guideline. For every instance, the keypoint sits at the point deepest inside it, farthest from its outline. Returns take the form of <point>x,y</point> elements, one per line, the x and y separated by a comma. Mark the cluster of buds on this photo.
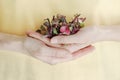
<point>59,26</point>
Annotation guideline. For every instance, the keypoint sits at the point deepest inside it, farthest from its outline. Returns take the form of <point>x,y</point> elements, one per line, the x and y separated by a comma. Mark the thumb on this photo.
<point>67,39</point>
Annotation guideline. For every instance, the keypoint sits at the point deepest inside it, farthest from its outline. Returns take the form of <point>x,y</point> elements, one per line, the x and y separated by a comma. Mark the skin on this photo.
<point>90,35</point>
<point>40,48</point>
<point>52,53</point>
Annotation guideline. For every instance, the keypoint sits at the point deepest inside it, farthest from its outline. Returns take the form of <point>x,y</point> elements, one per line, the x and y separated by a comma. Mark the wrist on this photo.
<point>110,33</point>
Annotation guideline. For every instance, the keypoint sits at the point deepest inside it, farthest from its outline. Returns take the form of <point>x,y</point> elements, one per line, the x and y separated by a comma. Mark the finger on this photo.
<point>42,38</point>
<point>75,47</point>
<point>37,36</point>
<point>83,51</point>
<point>65,39</point>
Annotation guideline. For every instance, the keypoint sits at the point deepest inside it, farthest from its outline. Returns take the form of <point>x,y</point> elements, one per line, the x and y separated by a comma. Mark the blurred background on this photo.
<point>18,16</point>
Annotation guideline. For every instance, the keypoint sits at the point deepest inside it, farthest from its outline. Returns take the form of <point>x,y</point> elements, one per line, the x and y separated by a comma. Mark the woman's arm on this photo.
<point>39,49</point>
<point>89,35</point>
<point>112,33</point>
<point>12,42</point>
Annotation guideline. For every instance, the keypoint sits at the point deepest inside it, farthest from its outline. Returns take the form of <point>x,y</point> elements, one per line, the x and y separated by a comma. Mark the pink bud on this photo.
<point>65,30</point>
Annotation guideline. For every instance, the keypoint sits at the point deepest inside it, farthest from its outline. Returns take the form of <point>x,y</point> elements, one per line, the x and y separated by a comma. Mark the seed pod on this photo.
<point>55,31</point>
<point>59,26</point>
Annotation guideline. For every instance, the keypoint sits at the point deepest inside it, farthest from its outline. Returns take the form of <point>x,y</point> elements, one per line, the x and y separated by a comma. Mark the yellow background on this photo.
<point>17,16</point>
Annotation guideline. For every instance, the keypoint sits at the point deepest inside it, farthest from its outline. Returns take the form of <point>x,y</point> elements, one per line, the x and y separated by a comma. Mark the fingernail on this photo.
<point>54,41</point>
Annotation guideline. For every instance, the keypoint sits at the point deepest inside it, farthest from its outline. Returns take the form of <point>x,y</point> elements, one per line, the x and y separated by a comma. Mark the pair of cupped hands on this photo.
<point>64,48</point>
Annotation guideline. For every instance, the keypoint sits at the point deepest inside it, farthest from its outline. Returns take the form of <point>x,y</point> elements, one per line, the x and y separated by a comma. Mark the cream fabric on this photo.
<point>17,16</point>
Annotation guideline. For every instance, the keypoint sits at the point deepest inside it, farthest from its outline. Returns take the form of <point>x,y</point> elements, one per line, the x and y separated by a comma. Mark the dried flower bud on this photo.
<point>59,26</point>
<point>65,30</point>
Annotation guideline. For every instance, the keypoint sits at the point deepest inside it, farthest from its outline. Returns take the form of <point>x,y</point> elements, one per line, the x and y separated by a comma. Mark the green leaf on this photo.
<point>82,25</point>
<point>55,31</point>
<point>71,28</point>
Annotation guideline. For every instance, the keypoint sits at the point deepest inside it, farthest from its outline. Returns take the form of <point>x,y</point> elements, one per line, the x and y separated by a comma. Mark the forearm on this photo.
<point>12,43</point>
<point>112,33</point>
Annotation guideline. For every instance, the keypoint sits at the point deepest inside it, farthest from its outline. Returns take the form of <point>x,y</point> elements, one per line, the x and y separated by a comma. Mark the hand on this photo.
<point>70,47</point>
<point>85,36</point>
<point>47,52</point>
